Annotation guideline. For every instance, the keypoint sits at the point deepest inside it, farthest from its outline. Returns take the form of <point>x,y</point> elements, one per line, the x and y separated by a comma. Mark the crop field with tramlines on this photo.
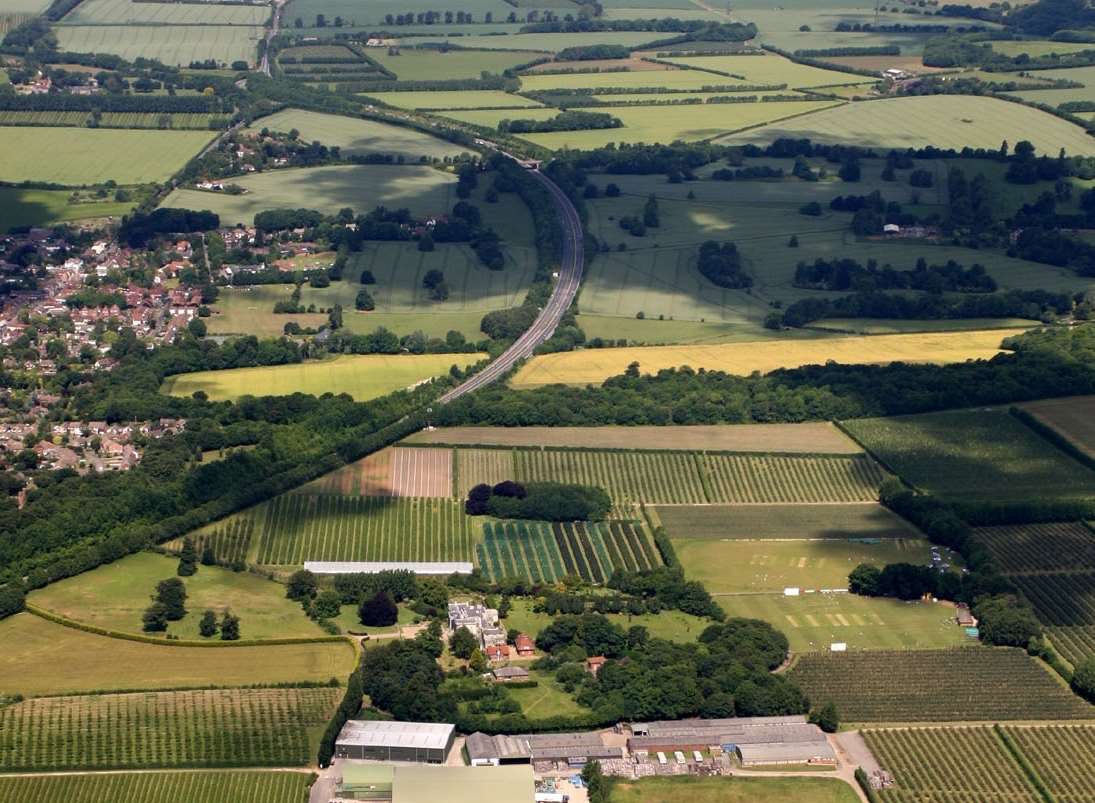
<point>969,764</point>
<point>113,119</point>
<point>1063,757</point>
<point>543,552</point>
<point>1061,599</point>
<point>1030,548</point>
<point>295,528</point>
<point>223,786</point>
<point>230,540</point>
<point>779,522</point>
<point>971,683</point>
<point>226,727</point>
<point>390,472</point>
<point>763,479</point>
<point>1072,418</point>
<point>475,466</point>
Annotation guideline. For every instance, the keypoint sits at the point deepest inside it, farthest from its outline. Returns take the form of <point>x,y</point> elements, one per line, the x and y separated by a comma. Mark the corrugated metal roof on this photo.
<point>373,567</point>
<point>421,735</point>
<point>786,753</point>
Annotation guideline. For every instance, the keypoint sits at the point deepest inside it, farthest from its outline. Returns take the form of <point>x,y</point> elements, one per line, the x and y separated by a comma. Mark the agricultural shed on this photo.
<point>423,742</point>
<point>698,734</point>
<point>442,569</point>
<point>572,748</point>
<point>753,755</point>
<point>420,784</point>
<point>508,674</point>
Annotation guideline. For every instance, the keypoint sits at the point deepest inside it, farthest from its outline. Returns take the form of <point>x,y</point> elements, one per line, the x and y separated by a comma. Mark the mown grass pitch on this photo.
<point>114,596</point>
<point>974,455</point>
<point>223,786</point>
<point>39,659</point>
<point>595,366</point>
<point>73,156</point>
<point>170,44</point>
<point>363,376</point>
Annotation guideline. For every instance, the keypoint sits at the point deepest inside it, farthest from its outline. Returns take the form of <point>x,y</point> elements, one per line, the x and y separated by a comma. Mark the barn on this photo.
<point>421,742</point>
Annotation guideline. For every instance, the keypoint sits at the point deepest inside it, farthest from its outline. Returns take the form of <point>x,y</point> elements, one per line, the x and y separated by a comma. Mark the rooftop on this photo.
<point>792,753</point>
<point>422,735</point>
<point>506,784</point>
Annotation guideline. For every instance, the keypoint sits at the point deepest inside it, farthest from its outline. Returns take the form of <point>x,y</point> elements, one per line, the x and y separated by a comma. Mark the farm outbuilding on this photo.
<point>793,734</point>
<point>755,755</point>
<point>572,749</point>
<point>421,742</point>
<point>435,569</point>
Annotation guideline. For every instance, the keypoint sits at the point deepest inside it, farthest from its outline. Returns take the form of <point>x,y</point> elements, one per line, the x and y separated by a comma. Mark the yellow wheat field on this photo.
<point>596,365</point>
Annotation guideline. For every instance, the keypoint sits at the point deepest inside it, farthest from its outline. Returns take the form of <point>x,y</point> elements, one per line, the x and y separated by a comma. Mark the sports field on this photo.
<point>423,190</point>
<point>813,438</point>
<point>223,786</point>
<point>354,135</point>
<point>427,65</point>
<point>128,12</point>
<point>114,596</point>
<point>39,659</point>
<point>363,376</point>
<point>74,156</point>
<point>782,522</point>
<point>171,44</point>
<point>22,207</point>
<point>452,99</point>
<point>1073,418</point>
<point>813,621</point>
<point>593,366</point>
<point>733,790</point>
<point>975,455</point>
<point>944,121</point>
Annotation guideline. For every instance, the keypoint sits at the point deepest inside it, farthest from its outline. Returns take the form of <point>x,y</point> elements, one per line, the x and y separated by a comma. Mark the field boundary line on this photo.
<point>1017,755</point>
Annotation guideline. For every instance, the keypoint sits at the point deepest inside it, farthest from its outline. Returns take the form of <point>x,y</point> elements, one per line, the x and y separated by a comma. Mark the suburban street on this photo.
<point>566,286</point>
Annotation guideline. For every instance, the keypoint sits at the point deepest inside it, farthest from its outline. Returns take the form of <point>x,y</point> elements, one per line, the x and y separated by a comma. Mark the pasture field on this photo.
<point>215,727</point>
<point>114,596</point>
<point>813,621</point>
<point>543,552</point>
<point>39,660</point>
<point>427,64</point>
<point>593,366</point>
<point>23,207</point>
<point>945,121</point>
<point>769,69</point>
<point>298,527</point>
<point>1055,97</point>
<point>128,12</point>
<point>1036,548</point>
<point>72,156</point>
<point>733,790</point>
<point>782,522</point>
<point>750,566</point>
<point>194,120</point>
<point>170,44</point>
<point>1062,755</point>
<point>224,786</point>
<point>970,684</point>
<point>974,455</point>
<point>669,625</point>
<point>1072,418</point>
<point>328,189</point>
<point>654,332</point>
<point>299,53</point>
<point>810,438</point>
<point>363,376</point>
<point>454,99</point>
<point>354,135</point>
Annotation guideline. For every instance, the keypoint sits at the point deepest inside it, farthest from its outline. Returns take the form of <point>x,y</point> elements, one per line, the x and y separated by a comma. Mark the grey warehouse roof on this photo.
<point>790,753</point>
<point>373,567</point>
<point>421,735</point>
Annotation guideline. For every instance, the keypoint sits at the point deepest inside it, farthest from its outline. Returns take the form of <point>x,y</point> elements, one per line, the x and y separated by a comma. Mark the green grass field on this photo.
<point>453,99</point>
<point>813,621</point>
<point>354,135</point>
<point>423,190</point>
<point>20,207</point>
<point>170,44</point>
<point>427,65</point>
<point>733,790</point>
<point>1035,49</point>
<point>223,786</point>
<point>770,69</point>
<point>549,699</point>
<point>183,121</point>
<point>781,522</point>
<point>885,326</point>
<point>39,659</point>
<point>667,79</point>
<point>974,455</point>
<point>88,156</point>
<point>363,376</point>
<point>115,595</point>
<point>550,42</point>
<point>669,625</point>
<point>128,12</point>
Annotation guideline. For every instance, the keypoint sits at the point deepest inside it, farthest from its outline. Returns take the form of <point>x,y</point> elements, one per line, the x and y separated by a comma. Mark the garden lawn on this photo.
<point>733,790</point>
<point>356,136</point>
<point>549,699</point>
<point>114,596</point>
<point>363,376</point>
<point>75,156</point>
<point>349,621</point>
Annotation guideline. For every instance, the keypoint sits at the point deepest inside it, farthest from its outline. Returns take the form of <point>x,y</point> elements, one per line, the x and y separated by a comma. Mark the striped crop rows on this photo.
<point>778,479</point>
<point>475,466</point>
<point>543,552</point>
<point>1061,598</point>
<point>657,477</point>
<point>295,528</point>
<point>227,727</point>
<point>369,476</point>
<point>230,540</point>
<point>1059,546</point>
<point>159,787</point>
<point>112,119</point>
<point>1063,756</point>
<point>1075,642</point>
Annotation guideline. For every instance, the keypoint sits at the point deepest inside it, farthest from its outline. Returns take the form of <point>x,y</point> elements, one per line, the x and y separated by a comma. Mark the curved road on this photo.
<point>566,286</point>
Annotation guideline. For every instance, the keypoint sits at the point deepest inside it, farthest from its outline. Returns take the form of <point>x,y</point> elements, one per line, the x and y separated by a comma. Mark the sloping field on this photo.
<point>780,522</point>
<point>427,65</point>
<point>596,365</point>
<point>775,479</point>
<point>1073,418</point>
<point>551,42</point>
<point>25,207</point>
<point>666,79</point>
<point>88,156</point>
<point>40,658</point>
<point>423,190</point>
<point>811,438</point>
<point>1062,756</point>
<point>455,99</point>
<point>945,121</point>
<point>170,44</point>
<point>1034,548</point>
<point>627,476</point>
<point>363,376</point>
<point>422,472</point>
<point>369,476</point>
<point>128,12</point>
<point>476,466</point>
<point>354,135</point>
<point>223,786</point>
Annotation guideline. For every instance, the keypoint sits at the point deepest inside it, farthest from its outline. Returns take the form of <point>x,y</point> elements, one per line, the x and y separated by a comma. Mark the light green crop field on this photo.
<point>669,79</point>
<point>733,790</point>
<point>171,44</point>
<point>363,376</point>
<point>779,25</point>
<point>1055,97</point>
<point>770,69</point>
<point>223,786</point>
<point>549,42</point>
<point>724,523</point>
<point>115,595</point>
<point>489,118</point>
<point>423,190</point>
<point>128,12</point>
<point>886,326</point>
<point>430,65</point>
<point>38,659</point>
<point>1036,48</point>
<point>976,455</point>
<point>446,99</point>
<point>945,121</point>
<point>812,622</point>
<point>20,207</point>
<point>88,156</point>
<point>354,135</point>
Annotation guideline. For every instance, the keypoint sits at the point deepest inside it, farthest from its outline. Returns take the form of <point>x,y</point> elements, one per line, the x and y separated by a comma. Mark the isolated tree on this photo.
<point>463,643</point>
<point>302,585</point>
<point>208,625</point>
<point>188,559</point>
<point>154,619</point>
<point>364,301</point>
<point>378,611</point>
<point>792,242</point>
<point>196,327</point>
<point>209,557</point>
<point>612,190</point>
<point>230,627</point>
<point>864,580</point>
<point>172,595</point>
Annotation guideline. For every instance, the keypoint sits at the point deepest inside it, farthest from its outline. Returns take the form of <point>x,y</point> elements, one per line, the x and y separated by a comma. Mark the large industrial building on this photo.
<point>421,742</point>
<point>385,783</point>
<point>756,740</point>
<point>571,749</point>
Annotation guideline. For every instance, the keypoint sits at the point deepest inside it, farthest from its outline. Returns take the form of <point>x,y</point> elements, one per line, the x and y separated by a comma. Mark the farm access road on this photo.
<point>566,286</point>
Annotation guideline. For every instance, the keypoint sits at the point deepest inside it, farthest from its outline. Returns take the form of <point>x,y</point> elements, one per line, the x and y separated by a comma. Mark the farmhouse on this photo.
<point>480,620</point>
<point>759,740</point>
<point>421,742</point>
<point>436,569</point>
<point>414,784</point>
